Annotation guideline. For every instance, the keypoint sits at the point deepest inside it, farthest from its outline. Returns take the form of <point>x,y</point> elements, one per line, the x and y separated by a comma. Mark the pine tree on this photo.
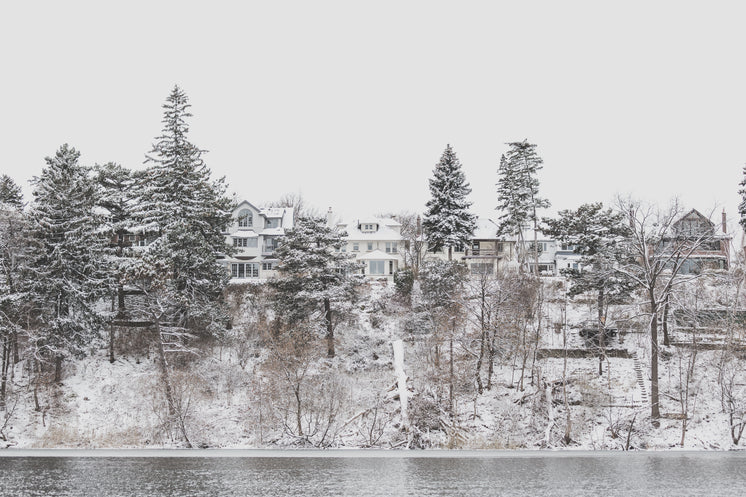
<point>742,205</point>
<point>314,276</point>
<point>67,265</point>
<point>518,194</point>
<point>599,236</point>
<point>14,251</point>
<point>186,212</point>
<point>447,221</point>
<point>10,192</point>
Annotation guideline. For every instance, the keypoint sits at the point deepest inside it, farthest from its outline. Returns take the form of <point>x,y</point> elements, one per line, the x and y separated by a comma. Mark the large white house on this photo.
<point>254,235</point>
<point>375,243</point>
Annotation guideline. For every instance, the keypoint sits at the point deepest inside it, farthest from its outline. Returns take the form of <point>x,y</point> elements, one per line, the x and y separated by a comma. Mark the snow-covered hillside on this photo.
<point>241,393</point>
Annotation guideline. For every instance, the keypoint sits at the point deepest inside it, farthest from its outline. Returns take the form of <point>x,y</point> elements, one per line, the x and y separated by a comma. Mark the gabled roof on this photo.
<point>388,229</point>
<point>244,204</point>
<point>694,215</point>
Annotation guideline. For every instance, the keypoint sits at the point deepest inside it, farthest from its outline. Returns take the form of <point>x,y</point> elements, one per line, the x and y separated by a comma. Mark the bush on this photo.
<point>403,281</point>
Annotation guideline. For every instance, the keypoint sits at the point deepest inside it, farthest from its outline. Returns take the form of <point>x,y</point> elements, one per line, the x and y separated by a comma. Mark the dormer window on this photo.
<point>369,227</point>
<point>272,223</point>
<point>245,219</point>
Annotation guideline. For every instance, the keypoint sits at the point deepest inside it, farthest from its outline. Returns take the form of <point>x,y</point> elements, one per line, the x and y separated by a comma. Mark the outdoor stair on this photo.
<point>640,379</point>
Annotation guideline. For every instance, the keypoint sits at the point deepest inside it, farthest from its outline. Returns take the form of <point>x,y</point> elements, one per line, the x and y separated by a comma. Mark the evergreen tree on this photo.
<point>117,198</point>
<point>186,212</point>
<point>10,192</point>
<point>447,221</point>
<point>518,194</point>
<point>67,264</point>
<point>742,205</point>
<point>14,251</point>
<point>599,236</point>
<point>314,276</point>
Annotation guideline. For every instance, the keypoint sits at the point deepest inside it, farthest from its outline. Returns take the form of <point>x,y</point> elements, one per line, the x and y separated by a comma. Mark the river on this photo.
<point>135,473</point>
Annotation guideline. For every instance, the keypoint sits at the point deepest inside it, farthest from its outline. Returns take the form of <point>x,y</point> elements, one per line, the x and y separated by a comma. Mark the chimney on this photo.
<point>329,218</point>
<point>725,224</point>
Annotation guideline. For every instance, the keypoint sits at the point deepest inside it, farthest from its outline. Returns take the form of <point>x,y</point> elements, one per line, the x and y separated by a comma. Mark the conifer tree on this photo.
<point>447,221</point>
<point>599,236</point>
<point>10,192</point>
<point>67,265</point>
<point>14,251</point>
<point>518,194</point>
<point>742,205</point>
<point>185,211</point>
<point>314,276</point>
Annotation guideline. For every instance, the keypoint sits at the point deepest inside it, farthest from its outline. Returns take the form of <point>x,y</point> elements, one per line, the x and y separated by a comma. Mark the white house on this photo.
<point>254,235</point>
<point>375,242</point>
<point>566,258</point>
<point>547,253</point>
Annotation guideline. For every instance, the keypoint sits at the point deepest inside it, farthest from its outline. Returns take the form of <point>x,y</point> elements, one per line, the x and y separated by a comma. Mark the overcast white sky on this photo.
<point>352,103</point>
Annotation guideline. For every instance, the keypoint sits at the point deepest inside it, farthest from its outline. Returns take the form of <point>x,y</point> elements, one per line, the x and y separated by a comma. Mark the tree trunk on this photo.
<point>5,366</point>
<point>58,369</point>
<point>601,332</point>
<point>655,413</point>
<point>329,328</point>
<point>666,340</point>
<point>450,378</point>
<point>120,302</point>
<point>482,345</point>
<point>111,343</point>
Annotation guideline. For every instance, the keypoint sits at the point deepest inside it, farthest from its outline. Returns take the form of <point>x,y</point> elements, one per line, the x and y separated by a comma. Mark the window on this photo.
<point>369,227</point>
<point>370,246</point>
<point>272,223</point>
<point>391,247</point>
<point>377,267</point>
<point>245,270</point>
<point>270,244</point>
<point>268,266</point>
<point>245,242</point>
<point>482,268</point>
<point>245,219</point>
<point>355,247</point>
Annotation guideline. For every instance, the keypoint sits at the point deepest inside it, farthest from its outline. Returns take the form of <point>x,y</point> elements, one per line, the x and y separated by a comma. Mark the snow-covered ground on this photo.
<point>238,395</point>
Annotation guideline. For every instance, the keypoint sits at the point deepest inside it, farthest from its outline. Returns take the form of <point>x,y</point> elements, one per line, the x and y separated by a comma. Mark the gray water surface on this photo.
<point>369,473</point>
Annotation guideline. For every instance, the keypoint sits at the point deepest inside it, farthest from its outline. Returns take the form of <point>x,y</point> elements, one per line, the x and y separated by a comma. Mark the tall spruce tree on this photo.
<point>518,195</point>
<point>184,211</point>
<point>315,277</point>
<point>447,221</point>
<point>67,265</point>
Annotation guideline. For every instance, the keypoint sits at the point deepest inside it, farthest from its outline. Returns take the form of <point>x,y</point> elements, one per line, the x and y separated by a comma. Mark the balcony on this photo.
<point>484,253</point>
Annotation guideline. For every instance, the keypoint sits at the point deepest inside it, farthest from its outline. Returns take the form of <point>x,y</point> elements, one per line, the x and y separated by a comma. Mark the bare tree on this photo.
<point>658,249</point>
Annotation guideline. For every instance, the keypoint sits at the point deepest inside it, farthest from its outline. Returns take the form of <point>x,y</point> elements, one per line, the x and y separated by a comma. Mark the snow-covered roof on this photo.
<point>486,230</point>
<point>272,212</point>
<point>388,229</point>
<point>273,231</point>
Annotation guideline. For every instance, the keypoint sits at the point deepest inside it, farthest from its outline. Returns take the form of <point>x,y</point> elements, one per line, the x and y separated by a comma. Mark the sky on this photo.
<point>352,103</point>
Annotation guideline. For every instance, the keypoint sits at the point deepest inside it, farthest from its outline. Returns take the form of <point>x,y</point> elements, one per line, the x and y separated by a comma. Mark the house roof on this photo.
<point>486,230</point>
<point>388,229</point>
